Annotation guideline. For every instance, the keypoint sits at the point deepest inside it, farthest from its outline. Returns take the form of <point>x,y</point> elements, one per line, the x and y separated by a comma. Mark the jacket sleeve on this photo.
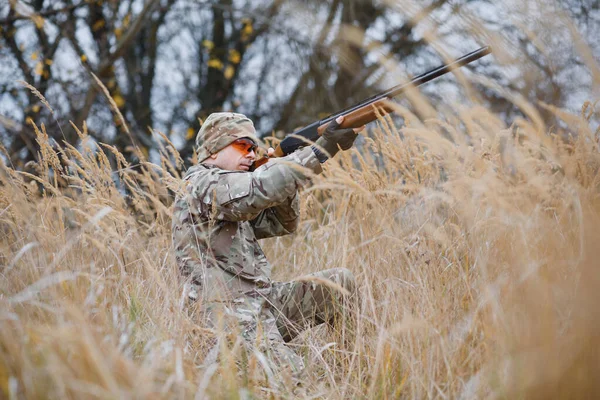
<point>242,196</point>
<point>278,220</point>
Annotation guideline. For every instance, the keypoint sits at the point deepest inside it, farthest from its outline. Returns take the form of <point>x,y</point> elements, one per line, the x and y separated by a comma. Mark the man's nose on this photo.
<point>251,154</point>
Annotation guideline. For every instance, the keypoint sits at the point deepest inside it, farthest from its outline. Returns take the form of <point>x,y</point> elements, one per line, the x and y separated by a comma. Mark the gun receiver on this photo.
<point>364,112</point>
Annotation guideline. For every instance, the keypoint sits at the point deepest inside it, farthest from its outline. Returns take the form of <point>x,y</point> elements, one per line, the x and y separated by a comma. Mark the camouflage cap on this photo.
<point>219,130</point>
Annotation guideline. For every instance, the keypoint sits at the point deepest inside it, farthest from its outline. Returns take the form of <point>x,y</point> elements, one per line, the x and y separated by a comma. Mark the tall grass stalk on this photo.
<point>474,244</point>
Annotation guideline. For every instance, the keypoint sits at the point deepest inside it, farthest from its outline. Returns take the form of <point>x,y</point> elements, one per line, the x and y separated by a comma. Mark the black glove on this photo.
<point>334,136</point>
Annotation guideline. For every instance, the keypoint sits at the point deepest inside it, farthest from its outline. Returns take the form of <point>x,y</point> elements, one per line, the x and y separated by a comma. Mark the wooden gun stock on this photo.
<point>362,115</point>
<point>364,112</point>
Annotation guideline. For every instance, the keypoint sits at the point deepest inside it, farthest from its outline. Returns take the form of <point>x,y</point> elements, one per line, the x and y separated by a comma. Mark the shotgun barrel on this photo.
<point>364,112</point>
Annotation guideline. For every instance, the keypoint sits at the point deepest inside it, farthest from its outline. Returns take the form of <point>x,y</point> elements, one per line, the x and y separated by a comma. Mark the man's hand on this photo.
<point>335,136</point>
<point>344,137</point>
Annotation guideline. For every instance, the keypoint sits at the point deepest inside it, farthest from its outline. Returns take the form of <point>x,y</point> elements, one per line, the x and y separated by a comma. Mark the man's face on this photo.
<point>238,156</point>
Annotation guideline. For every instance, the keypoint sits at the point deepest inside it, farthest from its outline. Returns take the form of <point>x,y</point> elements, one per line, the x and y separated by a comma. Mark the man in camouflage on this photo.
<point>217,222</point>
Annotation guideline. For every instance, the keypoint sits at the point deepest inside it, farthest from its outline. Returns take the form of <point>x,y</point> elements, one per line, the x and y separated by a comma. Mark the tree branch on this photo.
<point>45,13</point>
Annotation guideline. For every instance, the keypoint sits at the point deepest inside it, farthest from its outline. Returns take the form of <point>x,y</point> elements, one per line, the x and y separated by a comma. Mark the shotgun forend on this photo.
<point>364,112</point>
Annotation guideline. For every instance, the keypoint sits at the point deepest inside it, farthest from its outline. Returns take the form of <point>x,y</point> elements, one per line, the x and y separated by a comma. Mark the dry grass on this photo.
<point>474,244</point>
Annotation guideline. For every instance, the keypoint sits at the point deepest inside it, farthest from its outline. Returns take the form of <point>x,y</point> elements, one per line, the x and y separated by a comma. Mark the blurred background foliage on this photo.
<point>169,63</point>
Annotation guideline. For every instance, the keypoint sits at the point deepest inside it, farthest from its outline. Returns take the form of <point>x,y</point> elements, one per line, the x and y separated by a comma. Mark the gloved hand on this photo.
<point>334,136</point>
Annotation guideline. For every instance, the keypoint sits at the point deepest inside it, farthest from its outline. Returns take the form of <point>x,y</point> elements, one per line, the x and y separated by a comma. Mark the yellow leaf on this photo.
<point>190,134</point>
<point>234,56</point>
<point>48,61</point>
<point>38,21</point>
<point>34,55</point>
<point>247,30</point>
<point>208,45</point>
<point>83,58</point>
<point>98,25</point>
<point>118,33</point>
<point>35,108</point>
<point>229,71</point>
<point>39,68</point>
<point>215,63</point>
<point>119,100</point>
<point>126,20</point>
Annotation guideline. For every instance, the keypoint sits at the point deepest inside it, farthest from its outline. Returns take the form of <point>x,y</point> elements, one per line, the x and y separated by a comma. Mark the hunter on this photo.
<point>225,208</point>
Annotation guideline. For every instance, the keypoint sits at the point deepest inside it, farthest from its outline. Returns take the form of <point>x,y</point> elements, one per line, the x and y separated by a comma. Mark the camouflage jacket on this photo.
<point>221,215</point>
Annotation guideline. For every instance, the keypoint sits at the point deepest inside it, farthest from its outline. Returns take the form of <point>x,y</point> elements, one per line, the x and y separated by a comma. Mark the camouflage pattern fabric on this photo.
<point>266,323</point>
<point>221,129</point>
<point>318,298</point>
<point>218,220</point>
<point>256,326</point>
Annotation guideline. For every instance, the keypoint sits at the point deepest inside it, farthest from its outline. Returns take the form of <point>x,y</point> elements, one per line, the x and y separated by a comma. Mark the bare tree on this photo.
<point>167,64</point>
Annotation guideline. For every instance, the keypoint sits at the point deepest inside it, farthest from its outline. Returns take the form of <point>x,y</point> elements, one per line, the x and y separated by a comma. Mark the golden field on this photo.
<point>474,243</point>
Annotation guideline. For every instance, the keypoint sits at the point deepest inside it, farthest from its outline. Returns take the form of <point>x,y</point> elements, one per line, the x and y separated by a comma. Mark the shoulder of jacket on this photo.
<point>196,170</point>
<point>201,170</point>
<point>202,181</point>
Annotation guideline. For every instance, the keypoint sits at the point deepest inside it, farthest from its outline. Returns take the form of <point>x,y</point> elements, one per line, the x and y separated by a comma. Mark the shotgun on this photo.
<point>364,112</point>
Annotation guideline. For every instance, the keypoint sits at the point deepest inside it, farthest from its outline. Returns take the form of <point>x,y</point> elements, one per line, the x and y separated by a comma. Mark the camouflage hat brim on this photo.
<point>220,130</point>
